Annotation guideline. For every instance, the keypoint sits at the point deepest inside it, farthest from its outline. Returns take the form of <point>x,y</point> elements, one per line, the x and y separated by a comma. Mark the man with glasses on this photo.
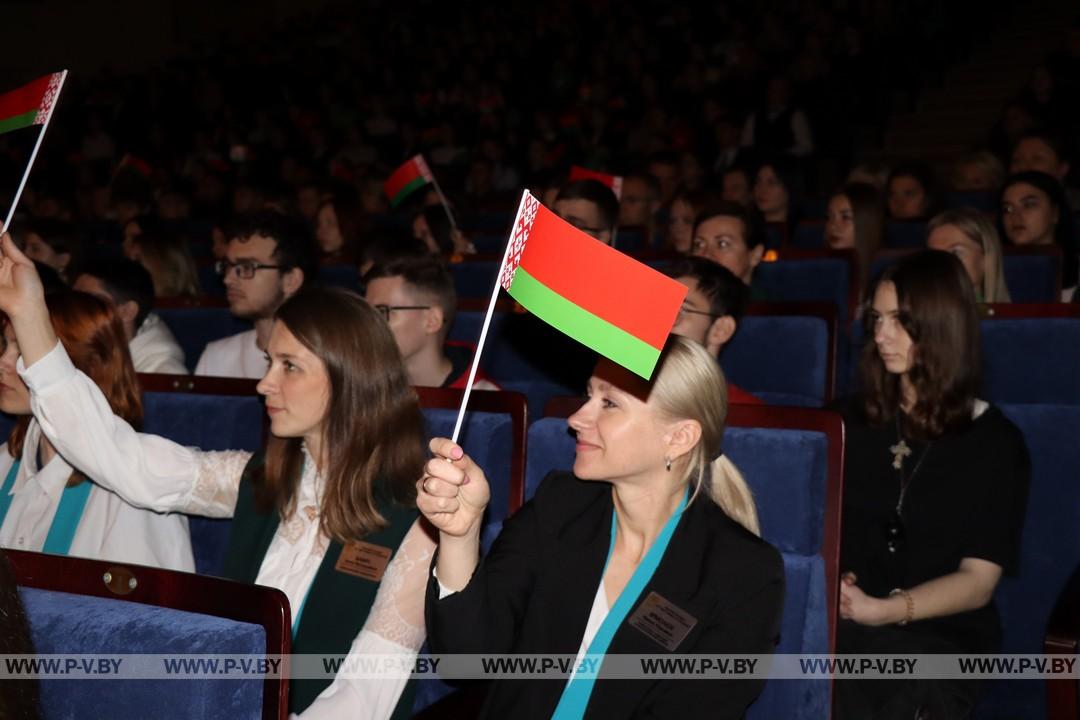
<point>268,260</point>
<point>416,296</point>
<point>710,314</point>
<point>590,206</point>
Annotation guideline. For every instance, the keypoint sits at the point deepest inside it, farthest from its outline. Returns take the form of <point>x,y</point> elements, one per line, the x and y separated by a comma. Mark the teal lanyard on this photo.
<point>68,513</point>
<point>576,694</point>
<point>300,611</point>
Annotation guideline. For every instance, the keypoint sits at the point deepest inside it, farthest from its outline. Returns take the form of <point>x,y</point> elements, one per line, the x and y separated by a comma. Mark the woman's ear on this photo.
<point>682,436</point>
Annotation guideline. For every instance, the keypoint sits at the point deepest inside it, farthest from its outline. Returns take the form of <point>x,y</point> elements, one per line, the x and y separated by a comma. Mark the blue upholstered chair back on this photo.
<point>62,623</point>
<point>1033,278</point>
<point>824,279</point>
<point>781,359</point>
<point>809,235</point>
<point>474,278</point>
<point>488,439</point>
<point>1050,549</point>
<point>786,470</point>
<point>981,201</point>
<point>210,283</point>
<point>195,327</point>
<point>905,235</point>
<point>1031,360</point>
<point>209,422</point>
<point>340,276</point>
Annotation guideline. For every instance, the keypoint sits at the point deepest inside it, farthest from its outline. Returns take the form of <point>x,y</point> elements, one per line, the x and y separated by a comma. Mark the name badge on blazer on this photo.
<point>662,621</point>
<point>364,560</point>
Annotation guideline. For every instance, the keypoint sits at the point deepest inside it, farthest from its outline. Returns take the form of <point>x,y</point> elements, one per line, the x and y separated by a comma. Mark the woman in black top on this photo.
<point>936,485</point>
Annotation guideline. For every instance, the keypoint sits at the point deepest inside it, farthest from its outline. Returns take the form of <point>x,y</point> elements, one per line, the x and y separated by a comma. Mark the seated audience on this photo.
<point>979,172</point>
<point>934,493</point>
<point>710,314</point>
<point>652,505</point>
<point>778,193</point>
<point>1034,211</point>
<point>680,226</point>
<point>736,185</point>
<point>167,257</point>
<point>909,193</point>
<point>268,260</point>
<point>59,504</point>
<point>973,239</point>
<point>639,203</point>
<point>127,285</point>
<point>590,206</point>
<point>338,227</point>
<point>855,219</point>
<point>431,226</point>
<point>416,297</point>
<point>340,467</point>
<point>731,235</point>
<point>1040,151</point>
<point>51,242</point>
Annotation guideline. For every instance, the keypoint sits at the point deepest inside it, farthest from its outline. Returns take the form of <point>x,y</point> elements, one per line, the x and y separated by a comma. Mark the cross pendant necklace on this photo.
<point>900,451</point>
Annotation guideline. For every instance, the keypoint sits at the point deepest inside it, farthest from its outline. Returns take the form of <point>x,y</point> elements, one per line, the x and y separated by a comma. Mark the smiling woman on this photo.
<point>333,492</point>
<point>654,524</point>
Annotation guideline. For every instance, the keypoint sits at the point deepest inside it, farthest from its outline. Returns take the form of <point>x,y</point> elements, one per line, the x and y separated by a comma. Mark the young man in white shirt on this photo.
<point>128,286</point>
<point>416,296</point>
<point>269,258</point>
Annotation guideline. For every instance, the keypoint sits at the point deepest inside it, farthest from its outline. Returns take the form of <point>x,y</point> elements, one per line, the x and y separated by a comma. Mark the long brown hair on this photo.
<point>937,308</point>
<point>93,336</point>
<point>373,436</point>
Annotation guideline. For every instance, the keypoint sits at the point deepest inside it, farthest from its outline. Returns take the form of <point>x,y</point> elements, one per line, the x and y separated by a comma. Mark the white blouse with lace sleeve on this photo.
<point>395,626</point>
<point>148,471</point>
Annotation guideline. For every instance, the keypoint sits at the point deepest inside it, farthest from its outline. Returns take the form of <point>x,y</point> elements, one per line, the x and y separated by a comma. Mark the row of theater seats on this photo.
<point>791,457</point>
<point>794,354</point>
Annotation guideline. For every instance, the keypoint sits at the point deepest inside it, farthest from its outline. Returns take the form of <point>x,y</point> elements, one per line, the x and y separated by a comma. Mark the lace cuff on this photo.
<point>217,481</point>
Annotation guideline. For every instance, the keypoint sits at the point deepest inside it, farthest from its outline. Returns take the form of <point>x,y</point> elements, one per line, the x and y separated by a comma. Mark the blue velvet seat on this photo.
<point>93,607</point>
<point>1032,277</point>
<point>227,415</point>
<point>62,623</point>
<point>981,201</point>
<point>1031,360</point>
<point>1050,550</point>
<point>194,327</point>
<point>795,475</point>
<point>809,276</point>
<point>775,234</point>
<point>340,276</point>
<point>210,283</point>
<point>783,357</point>
<point>474,278</point>
<point>903,234</point>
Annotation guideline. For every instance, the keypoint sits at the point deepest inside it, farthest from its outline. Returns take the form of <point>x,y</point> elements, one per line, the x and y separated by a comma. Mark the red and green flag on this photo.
<point>32,104</point>
<point>414,173</point>
<point>619,307</point>
<point>612,181</point>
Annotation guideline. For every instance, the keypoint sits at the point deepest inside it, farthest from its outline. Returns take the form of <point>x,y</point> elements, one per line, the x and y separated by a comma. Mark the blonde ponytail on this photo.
<point>729,490</point>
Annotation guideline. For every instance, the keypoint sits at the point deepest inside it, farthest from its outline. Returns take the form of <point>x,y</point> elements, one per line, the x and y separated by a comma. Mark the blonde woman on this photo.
<point>653,523</point>
<point>973,239</point>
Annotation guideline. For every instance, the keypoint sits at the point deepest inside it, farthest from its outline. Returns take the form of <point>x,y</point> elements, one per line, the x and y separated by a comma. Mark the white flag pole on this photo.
<point>34,152</point>
<point>445,204</point>
<point>487,320</point>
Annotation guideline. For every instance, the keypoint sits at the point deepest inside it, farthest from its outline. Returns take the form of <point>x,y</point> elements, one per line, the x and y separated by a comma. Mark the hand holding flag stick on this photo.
<point>615,305</point>
<point>32,104</point>
<point>414,173</point>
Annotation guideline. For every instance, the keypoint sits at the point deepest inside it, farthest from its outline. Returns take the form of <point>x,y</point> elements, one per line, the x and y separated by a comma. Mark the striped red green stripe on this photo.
<point>608,301</point>
<point>25,106</point>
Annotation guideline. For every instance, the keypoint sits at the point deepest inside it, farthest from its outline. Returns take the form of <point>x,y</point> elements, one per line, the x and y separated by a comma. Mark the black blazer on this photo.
<point>534,591</point>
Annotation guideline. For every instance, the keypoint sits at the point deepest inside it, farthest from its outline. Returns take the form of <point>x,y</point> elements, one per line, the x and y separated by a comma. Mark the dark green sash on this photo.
<point>337,603</point>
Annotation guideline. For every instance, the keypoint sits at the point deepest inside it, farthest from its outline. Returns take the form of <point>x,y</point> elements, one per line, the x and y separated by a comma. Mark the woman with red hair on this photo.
<point>46,504</point>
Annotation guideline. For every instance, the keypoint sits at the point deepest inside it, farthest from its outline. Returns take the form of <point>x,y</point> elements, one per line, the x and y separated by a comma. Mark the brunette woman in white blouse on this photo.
<point>46,505</point>
<point>332,494</point>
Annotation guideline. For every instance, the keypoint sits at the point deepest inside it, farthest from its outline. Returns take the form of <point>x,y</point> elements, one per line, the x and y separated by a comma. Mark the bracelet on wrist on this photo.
<point>909,615</point>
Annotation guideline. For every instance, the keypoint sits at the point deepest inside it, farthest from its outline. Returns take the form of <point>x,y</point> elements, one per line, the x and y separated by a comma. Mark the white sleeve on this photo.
<point>148,471</point>
<point>395,626</point>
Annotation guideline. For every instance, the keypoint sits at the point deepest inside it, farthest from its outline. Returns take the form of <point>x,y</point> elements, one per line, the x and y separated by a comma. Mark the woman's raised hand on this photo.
<point>453,492</point>
<point>20,286</point>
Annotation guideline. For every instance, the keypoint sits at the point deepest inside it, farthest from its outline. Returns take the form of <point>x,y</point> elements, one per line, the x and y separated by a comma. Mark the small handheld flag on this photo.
<point>32,104</point>
<point>612,181</point>
<point>413,174</point>
<point>619,307</point>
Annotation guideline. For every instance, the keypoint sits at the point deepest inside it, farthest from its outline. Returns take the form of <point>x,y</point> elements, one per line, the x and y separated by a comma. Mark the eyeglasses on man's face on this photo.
<point>385,310</point>
<point>684,311</point>
<point>245,270</point>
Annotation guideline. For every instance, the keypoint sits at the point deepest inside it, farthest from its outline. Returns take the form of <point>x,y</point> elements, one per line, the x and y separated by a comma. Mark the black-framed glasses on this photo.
<point>683,309</point>
<point>385,310</point>
<point>895,537</point>
<point>595,232</point>
<point>244,270</point>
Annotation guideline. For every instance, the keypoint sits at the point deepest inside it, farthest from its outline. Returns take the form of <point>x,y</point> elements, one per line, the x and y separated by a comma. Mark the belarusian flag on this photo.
<point>31,104</point>
<point>413,174</point>
<point>619,307</point>
<point>612,181</point>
